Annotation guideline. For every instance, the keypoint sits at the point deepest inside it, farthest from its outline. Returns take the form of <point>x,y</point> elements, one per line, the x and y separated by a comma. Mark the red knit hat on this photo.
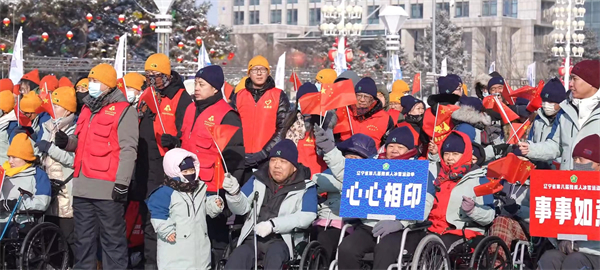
<point>49,80</point>
<point>589,71</point>
<point>588,148</point>
<point>32,76</point>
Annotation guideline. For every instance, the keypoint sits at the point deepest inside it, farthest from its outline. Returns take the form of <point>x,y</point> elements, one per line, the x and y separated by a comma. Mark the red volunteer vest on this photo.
<point>395,114</point>
<point>307,155</point>
<point>259,119</point>
<point>196,139</point>
<point>374,127</point>
<point>167,108</point>
<point>98,149</point>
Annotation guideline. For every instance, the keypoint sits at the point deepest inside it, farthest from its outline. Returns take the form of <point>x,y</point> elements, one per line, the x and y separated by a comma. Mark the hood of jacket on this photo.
<point>175,84</point>
<point>173,159</point>
<point>386,95</point>
<point>481,82</point>
<point>468,114</point>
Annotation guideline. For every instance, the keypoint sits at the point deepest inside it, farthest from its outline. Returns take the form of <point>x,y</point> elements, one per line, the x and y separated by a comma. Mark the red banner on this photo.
<point>565,204</point>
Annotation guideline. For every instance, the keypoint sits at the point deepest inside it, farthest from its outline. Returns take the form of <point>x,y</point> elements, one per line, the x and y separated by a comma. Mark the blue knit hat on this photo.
<point>366,85</point>
<point>359,144</point>
<point>554,91</point>
<point>305,89</point>
<point>455,77</point>
<point>467,129</point>
<point>453,143</point>
<point>408,102</point>
<point>187,163</point>
<point>401,135</point>
<point>495,80</point>
<point>473,102</point>
<point>213,75</point>
<point>287,150</point>
<point>448,84</point>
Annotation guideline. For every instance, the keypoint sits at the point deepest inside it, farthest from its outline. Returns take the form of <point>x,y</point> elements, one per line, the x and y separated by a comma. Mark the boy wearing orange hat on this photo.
<point>22,172</point>
<point>7,122</point>
<point>134,83</point>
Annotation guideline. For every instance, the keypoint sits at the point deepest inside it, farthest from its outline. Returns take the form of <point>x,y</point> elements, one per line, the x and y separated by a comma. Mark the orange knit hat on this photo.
<point>20,147</point>
<point>158,62</point>
<point>259,61</point>
<point>65,97</point>
<point>134,80</point>
<point>7,101</point>
<point>30,102</point>
<point>104,73</point>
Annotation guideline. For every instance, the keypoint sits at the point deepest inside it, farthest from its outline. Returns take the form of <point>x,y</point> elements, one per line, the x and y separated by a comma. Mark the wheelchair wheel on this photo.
<point>44,247</point>
<point>487,255</point>
<point>430,254</point>
<point>314,257</point>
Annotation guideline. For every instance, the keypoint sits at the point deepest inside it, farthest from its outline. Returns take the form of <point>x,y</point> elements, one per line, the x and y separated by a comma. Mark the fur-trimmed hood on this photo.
<point>483,78</point>
<point>467,114</point>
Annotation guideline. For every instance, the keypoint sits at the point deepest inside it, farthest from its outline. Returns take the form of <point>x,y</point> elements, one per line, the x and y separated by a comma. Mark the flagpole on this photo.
<point>518,130</point>
<point>504,113</point>
<point>157,109</point>
<point>420,86</point>
<point>18,110</point>
<point>221,154</point>
<point>437,109</point>
<point>51,103</point>
<point>349,119</point>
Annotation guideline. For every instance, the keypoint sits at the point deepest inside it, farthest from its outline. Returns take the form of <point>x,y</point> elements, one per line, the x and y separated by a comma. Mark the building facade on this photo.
<point>510,33</point>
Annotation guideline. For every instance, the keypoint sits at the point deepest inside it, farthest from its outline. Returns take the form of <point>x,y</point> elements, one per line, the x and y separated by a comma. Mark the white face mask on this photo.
<point>318,85</point>
<point>485,94</point>
<point>94,89</point>
<point>548,108</point>
<point>132,97</point>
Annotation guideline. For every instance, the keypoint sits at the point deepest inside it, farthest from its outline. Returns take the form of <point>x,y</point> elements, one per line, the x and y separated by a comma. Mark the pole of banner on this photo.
<point>157,109</point>
<point>349,119</point>
<point>437,110</point>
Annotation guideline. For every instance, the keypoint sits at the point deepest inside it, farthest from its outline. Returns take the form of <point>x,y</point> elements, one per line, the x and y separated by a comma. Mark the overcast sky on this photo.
<point>212,15</point>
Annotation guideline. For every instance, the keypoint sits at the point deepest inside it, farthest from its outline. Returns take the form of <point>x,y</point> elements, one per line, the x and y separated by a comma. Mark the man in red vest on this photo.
<point>158,133</point>
<point>264,110</point>
<point>105,146</point>
<point>210,109</point>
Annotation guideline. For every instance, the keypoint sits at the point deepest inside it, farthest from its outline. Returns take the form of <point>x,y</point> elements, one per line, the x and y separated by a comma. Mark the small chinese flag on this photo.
<point>16,89</point>
<point>227,90</point>
<point>510,168</point>
<point>295,80</point>
<point>46,98</point>
<point>122,86</point>
<point>416,87</point>
<point>521,130</point>
<point>494,186</point>
<point>343,123</point>
<point>525,92</point>
<point>492,102</point>
<point>311,104</point>
<point>148,97</point>
<point>337,95</point>
<point>443,125</point>
<point>222,134</point>
<point>23,120</point>
<point>536,99</point>
<point>507,93</point>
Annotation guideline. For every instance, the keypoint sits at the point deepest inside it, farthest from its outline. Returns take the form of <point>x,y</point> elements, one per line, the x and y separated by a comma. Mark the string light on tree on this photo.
<point>2,46</point>
<point>152,26</point>
<point>6,21</point>
<point>89,17</point>
<point>180,45</point>
<point>121,18</point>
<point>230,56</point>
<point>45,36</point>
<point>23,18</point>
<point>180,59</point>
<point>212,51</point>
<point>134,29</point>
<point>69,35</point>
<point>198,41</point>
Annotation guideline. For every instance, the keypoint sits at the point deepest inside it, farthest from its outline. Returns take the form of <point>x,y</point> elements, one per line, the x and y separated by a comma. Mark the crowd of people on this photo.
<point>108,142</point>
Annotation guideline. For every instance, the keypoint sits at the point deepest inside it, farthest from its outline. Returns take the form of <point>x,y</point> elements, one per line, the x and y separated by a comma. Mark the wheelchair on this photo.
<point>33,245</point>
<point>429,254</point>
<point>485,255</point>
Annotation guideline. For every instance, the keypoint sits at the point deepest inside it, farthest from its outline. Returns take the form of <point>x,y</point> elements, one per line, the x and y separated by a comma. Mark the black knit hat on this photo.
<point>554,91</point>
<point>187,163</point>
<point>401,135</point>
<point>366,85</point>
<point>287,150</point>
<point>213,75</point>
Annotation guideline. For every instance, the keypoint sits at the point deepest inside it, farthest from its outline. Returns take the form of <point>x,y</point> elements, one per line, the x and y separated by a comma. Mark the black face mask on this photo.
<point>190,177</point>
<point>414,119</point>
<point>80,96</point>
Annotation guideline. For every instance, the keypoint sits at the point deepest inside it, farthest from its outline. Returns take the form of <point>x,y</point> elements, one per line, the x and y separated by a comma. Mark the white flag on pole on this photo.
<point>531,74</point>
<point>203,58</point>
<point>16,61</point>
<point>280,72</point>
<point>395,66</point>
<point>492,67</point>
<point>444,70</point>
<point>340,59</point>
<point>120,57</point>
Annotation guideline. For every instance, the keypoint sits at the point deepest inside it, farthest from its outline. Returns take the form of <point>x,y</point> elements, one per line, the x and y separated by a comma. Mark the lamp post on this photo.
<point>393,18</point>
<point>163,25</point>
<point>344,15</point>
<point>569,19</point>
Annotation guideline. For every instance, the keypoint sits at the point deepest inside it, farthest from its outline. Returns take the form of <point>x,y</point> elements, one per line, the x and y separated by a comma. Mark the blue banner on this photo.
<point>384,189</point>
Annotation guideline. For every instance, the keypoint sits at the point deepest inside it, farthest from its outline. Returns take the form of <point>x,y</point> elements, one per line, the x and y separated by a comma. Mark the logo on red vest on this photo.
<point>268,104</point>
<point>210,121</point>
<point>167,110</point>
<point>372,128</point>
<point>110,111</point>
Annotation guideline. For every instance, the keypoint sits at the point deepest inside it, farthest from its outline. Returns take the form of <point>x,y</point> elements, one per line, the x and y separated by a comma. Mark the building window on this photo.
<point>254,17</point>
<point>416,11</point>
<point>374,19</point>
<point>315,1</point>
<point>490,8</point>
<point>276,16</point>
<point>443,6</point>
<point>238,17</point>
<point>254,2</point>
<point>292,16</point>
<point>314,16</point>
<point>238,3</point>
<point>275,2</point>
<point>462,9</point>
<point>510,8</point>
<point>292,1</point>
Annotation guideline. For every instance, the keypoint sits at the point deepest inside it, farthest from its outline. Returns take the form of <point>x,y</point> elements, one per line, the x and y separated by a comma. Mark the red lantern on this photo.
<point>69,35</point>
<point>298,58</point>
<point>152,26</point>
<point>196,51</point>
<point>230,56</point>
<point>212,51</point>
<point>349,55</point>
<point>332,54</point>
<point>45,36</point>
<point>121,18</point>
<point>195,59</point>
<point>198,41</point>
<point>180,45</point>
<point>23,18</point>
<point>6,21</point>
<point>117,38</point>
<point>180,59</point>
<point>561,71</point>
<point>134,29</point>
<point>224,63</point>
<point>89,17</point>
<point>2,46</point>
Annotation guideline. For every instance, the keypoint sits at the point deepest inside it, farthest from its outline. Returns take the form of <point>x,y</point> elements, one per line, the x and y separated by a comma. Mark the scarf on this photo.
<point>586,106</point>
<point>297,130</point>
<point>362,114</point>
<point>95,104</point>
<point>180,186</point>
<point>8,171</point>
<point>457,170</point>
<point>6,119</point>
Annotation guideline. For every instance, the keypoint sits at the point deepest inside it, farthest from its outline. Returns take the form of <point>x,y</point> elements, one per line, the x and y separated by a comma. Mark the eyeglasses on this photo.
<point>366,97</point>
<point>258,70</point>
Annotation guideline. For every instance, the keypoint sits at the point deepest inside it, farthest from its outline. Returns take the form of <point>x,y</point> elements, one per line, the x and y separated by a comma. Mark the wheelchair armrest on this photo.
<point>420,226</point>
<point>473,224</point>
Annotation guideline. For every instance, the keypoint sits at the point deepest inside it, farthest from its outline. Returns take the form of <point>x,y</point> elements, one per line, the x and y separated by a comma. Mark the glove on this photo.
<point>231,185</point>
<point>43,146</point>
<point>169,141</point>
<point>467,204</point>
<point>119,193</point>
<point>6,206</point>
<point>324,139</point>
<point>22,129</point>
<point>253,160</point>
<point>501,149</point>
<point>385,227</point>
<point>567,246</point>
<point>61,139</point>
<point>264,228</point>
<point>511,206</point>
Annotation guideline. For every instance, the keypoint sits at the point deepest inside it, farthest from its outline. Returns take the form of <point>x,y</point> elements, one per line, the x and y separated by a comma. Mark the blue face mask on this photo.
<point>94,89</point>
<point>318,85</point>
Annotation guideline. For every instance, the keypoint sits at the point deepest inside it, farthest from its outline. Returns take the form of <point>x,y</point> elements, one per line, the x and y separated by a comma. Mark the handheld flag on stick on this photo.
<point>492,187</point>
<point>311,104</point>
<point>121,85</point>
<point>148,98</point>
<point>157,109</point>
<point>46,98</point>
<point>227,90</point>
<point>416,87</point>
<point>221,135</point>
<point>492,102</point>
<point>295,80</point>
<point>507,94</point>
<point>337,95</point>
<point>521,130</point>
<point>440,123</point>
<point>536,99</point>
<point>510,168</point>
<point>22,120</point>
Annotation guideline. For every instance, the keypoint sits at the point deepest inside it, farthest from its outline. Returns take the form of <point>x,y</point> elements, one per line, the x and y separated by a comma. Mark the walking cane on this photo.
<point>255,212</point>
